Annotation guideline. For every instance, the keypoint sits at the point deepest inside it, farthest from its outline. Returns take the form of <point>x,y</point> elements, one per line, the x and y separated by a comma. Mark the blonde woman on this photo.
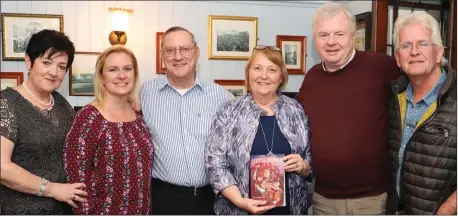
<point>109,147</point>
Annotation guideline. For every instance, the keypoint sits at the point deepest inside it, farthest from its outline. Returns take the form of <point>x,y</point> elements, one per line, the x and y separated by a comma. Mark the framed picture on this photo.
<point>10,79</point>
<point>236,87</point>
<point>293,52</point>
<point>363,31</point>
<point>82,74</point>
<point>160,67</point>
<point>18,28</point>
<point>231,37</point>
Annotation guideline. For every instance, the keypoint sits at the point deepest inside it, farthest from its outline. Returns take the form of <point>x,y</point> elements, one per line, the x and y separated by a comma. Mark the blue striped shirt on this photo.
<point>179,125</point>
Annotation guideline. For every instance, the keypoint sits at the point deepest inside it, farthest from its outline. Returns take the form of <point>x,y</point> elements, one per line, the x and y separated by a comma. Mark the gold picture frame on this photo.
<point>231,37</point>
<point>19,27</point>
<point>160,67</point>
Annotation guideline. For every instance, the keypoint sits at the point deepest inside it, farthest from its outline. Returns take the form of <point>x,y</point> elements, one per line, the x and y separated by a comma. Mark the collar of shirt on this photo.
<point>349,60</point>
<point>165,82</point>
<point>432,95</point>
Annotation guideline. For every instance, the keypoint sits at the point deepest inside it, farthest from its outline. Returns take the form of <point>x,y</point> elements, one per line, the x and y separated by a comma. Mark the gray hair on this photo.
<point>425,20</point>
<point>330,10</point>
<point>175,29</point>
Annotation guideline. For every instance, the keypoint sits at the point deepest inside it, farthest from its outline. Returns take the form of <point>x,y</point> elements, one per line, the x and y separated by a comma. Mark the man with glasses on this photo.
<point>346,98</point>
<point>178,109</point>
<point>422,128</point>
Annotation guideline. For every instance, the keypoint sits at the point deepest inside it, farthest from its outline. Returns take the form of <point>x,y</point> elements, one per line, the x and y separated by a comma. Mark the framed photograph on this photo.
<point>82,74</point>
<point>160,67</point>
<point>231,37</point>
<point>293,52</point>
<point>236,87</point>
<point>363,31</point>
<point>10,79</point>
<point>18,28</point>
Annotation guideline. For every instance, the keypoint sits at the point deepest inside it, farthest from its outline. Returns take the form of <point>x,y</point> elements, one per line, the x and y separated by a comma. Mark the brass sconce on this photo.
<point>120,24</point>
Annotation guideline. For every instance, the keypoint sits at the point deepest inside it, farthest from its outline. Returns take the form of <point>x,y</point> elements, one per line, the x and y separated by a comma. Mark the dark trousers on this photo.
<point>179,200</point>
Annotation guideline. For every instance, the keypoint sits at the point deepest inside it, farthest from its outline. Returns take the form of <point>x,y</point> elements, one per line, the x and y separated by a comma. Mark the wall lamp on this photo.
<point>119,25</point>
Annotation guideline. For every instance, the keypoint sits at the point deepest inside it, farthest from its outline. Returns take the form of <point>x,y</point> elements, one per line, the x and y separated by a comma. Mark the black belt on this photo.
<point>181,189</point>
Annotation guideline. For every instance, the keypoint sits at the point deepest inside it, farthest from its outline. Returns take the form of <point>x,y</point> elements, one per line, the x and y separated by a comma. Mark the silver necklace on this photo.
<point>51,100</point>
<point>273,135</point>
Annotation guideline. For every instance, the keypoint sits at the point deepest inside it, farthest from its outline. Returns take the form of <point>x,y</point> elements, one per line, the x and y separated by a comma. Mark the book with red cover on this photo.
<point>267,179</point>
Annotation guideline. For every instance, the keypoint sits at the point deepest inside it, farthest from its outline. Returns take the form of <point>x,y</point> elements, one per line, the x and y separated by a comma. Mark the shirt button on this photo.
<point>408,126</point>
<point>416,110</point>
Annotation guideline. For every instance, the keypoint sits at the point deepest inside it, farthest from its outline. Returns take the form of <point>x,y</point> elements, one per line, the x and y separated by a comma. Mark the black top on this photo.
<point>38,138</point>
<point>280,146</point>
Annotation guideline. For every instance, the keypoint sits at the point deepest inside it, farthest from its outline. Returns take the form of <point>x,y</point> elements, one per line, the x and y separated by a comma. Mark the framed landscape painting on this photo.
<point>160,67</point>
<point>10,79</point>
<point>293,52</point>
<point>235,87</point>
<point>231,37</point>
<point>82,74</point>
<point>18,28</point>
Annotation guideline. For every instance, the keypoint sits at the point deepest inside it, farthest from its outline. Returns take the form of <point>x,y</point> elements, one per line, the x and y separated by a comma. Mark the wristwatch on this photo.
<point>44,182</point>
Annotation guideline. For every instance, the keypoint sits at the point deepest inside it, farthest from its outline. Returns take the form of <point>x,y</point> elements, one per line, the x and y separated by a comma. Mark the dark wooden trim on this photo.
<point>379,25</point>
<point>365,19</point>
<point>19,76</point>
<point>452,33</point>
<point>159,68</point>
<point>419,5</point>
<point>230,82</point>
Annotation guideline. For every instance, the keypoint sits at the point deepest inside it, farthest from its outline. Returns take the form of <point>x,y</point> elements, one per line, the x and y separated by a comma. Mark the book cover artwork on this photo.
<point>267,179</point>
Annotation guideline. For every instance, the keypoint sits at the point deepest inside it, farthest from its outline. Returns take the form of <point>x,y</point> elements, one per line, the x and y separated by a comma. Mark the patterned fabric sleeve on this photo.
<point>79,152</point>
<point>216,161</point>
<point>8,121</point>
<point>306,137</point>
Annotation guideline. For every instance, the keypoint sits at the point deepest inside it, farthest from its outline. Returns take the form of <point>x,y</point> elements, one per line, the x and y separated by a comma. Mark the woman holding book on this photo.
<point>268,131</point>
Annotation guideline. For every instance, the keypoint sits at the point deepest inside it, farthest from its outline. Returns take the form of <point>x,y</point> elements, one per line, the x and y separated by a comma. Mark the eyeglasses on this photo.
<point>183,50</point>
<point>422,45</point>
<point>262,47</point>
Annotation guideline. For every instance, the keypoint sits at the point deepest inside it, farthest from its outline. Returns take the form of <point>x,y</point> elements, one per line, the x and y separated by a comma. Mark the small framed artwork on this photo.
<point>11,79</point>
<point>82,74</point>
<point>160,67</point>
<point>19,28</point>
<point>231,37</point>
<point>236,87</point>
<point>363,31</point>
<point>293,52</point>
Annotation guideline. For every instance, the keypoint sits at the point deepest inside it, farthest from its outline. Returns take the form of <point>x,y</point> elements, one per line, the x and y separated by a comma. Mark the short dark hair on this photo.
<point>175,29</point>
<point>50,41</point>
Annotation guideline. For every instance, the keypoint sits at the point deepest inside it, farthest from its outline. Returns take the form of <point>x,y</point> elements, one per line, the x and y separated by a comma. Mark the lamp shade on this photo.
<point>119,19</point>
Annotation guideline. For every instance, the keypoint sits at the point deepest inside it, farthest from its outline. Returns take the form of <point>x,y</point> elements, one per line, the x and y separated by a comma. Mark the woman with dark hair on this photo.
<point>34,122</point>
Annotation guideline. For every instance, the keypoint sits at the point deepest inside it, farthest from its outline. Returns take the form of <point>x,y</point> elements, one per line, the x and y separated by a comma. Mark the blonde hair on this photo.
<point>330,10</point>
<point>273,56</point>
<point>99,88</point>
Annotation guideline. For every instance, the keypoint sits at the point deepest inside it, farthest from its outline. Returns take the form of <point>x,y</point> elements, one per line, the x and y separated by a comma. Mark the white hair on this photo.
<point>331,9</point>
<point>425,20</point>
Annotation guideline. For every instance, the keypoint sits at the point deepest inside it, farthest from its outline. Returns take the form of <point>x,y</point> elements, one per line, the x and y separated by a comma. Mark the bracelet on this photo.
<point>44,182</point>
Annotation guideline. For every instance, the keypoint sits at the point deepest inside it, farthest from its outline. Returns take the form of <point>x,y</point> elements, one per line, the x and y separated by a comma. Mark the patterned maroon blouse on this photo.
<point>113,159</point>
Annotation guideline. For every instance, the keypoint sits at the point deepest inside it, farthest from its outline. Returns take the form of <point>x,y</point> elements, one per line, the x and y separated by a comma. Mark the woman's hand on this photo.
<point>295,163</point>
<point>69,193</point>
<point>254,206</point>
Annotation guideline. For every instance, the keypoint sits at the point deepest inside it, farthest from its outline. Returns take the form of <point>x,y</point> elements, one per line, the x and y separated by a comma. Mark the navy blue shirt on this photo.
<point>280,146</point>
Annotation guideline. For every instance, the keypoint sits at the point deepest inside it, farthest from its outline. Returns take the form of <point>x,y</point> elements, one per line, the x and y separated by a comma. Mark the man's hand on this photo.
<point>449,206</point>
